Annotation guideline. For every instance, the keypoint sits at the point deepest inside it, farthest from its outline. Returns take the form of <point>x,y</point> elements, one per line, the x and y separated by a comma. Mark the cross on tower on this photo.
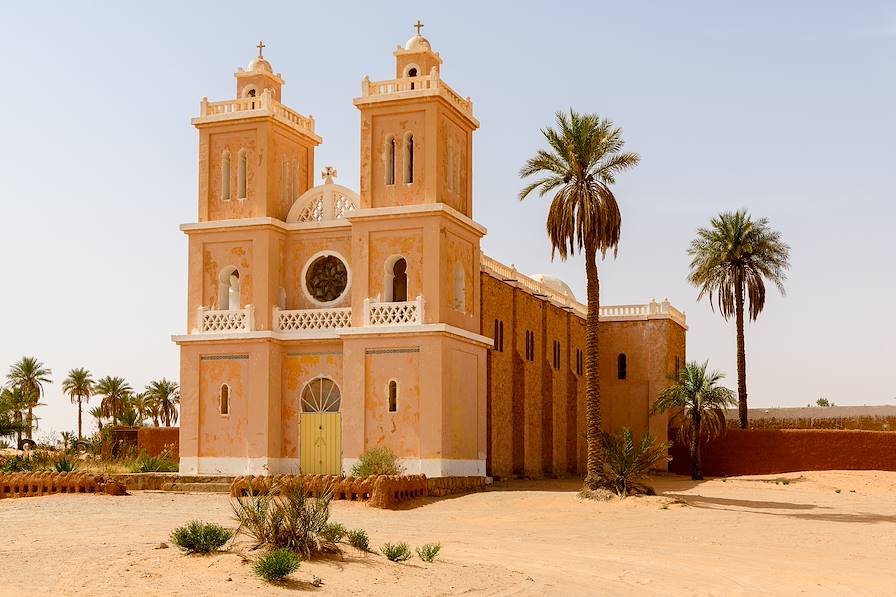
<point>328,174</point>
<point>260,47</point>
<point>419,26</point>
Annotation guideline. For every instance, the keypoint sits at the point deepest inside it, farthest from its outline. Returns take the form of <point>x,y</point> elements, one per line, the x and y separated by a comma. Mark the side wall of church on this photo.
<point>535,409</point>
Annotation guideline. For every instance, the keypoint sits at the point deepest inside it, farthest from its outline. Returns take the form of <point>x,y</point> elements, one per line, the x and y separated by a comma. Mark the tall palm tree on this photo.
<point>115,392</point>
<point>583,157</point>
<point>699,403</point>
<point>29,375</point>
<point>97,413</point>
<point>12,404</point>
<point>731,261</point>
<point>142,405</point>
<point>79,386</point>
<point>166,396</point>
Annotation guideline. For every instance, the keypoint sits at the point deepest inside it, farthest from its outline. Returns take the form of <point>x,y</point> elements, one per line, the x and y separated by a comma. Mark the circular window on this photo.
<point>326,278</point>
<point>321,395</point>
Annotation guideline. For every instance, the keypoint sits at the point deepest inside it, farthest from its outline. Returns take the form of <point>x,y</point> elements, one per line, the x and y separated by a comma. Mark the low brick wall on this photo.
<point>442,486</point>
<point>14,485</point>
<point>763,452</point>
<point>156,481</point>
<point>382,491</point>
<point>156,440</point>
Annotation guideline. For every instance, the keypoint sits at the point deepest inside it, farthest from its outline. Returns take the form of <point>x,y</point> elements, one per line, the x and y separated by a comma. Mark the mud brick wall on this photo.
<point>156,440</point>
<point>441,486</point>
<point>14,485</point>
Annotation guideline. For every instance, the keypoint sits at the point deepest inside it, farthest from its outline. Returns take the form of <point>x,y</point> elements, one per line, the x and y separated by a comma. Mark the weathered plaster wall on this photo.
<point>398,430</point>
<point>299,251</point>
<point>397,122</point>
<point>302,363</point>
<point>213,143</point>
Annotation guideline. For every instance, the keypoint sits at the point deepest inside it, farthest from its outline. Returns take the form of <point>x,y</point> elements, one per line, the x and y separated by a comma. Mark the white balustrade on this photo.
<point>301,320</point>
<point>263,105</point>
<point>393,313</point>
<point>429,84</point>
<point>214,321</point>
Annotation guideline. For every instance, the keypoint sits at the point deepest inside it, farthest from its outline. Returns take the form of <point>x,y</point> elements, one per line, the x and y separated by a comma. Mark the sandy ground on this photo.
<point>740,536</point>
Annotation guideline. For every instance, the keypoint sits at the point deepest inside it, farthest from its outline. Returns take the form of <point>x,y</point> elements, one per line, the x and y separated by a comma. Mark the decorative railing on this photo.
<point>264,105</point>
<point>302,320</point>
<point>397,313</point>
<point>429,84</point>
<point>212,321</point>
<point>510,274</point>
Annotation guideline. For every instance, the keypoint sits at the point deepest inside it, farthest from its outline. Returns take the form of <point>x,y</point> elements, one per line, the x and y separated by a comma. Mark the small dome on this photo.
<point>555,284</point>
<point>418,43</point>
<point>260,65</point>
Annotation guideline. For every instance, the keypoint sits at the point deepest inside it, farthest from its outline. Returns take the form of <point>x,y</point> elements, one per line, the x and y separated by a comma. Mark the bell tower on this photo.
<point>256,156</point>
<point>416,135</point>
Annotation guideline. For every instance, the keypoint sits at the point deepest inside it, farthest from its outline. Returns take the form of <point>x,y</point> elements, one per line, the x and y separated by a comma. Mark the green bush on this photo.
<point>334,532</point>
<point>625,462</point>
<point>64,465</point>
<point>277,564</point>
<point>398,552</point>
<point>286,517</point>
<point>358,539</point>
<point>429,552</point>
<point>200,537</point>
<point>154,464</point>
<point>377,461</point>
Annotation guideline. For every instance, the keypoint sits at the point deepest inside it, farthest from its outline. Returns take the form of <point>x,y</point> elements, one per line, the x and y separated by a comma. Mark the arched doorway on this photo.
<point>320,451</point>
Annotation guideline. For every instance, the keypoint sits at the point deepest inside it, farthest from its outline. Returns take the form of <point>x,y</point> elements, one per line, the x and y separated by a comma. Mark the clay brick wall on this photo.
<point>765,452</point>
<point>156,439</point>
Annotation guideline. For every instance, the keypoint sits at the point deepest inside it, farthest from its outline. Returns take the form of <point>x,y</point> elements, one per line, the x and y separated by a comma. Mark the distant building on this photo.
<point>324,322</point>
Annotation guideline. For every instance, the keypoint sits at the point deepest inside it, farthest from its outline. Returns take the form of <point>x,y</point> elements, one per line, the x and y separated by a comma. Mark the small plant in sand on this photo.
<point>64,465</point>
<point>286,517</point>
<point>397,552</point>
<point>377,461</point>
<point>334,532</point>
<point>358,539</point>
<point>162,463</point>
<point>429,552</point>
<point>200,537</point>
<point>277,564</point>
<point>626,462</point>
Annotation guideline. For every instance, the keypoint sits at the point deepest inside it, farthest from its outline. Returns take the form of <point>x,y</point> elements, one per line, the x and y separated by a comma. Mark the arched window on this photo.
<point>449,172</point>
<point>225,176</point>
<point>412,72</point>
<point>395,285</point>
<point>284,182</point>
<point>393,396</point>
<point>242,167</point>
<point>621,366</point>
<point>390,159</point>
<point>321,395</point>
<point>460,288</point>
<point>224,400</point>
<point>229,289</point>
<point>408,158</point>
<point>250,93</point>
<point>499,335</point>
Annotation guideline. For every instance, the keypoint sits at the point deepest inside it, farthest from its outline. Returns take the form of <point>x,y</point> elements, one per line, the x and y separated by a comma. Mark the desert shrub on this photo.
<point>64,465</point>
<point>277,564</point>
<point>154,464</point>
<point>429,552</point>
<point>200,537</point>
<point>334,532</point>
<point>625,462</point>
<point>16,464</point>
<point>397,552</point>
<point>358,539</point>
<point>286,517</point>
<point>377,461</point>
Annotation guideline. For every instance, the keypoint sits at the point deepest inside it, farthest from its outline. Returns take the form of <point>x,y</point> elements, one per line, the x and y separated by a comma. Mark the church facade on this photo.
<point>323,322</point>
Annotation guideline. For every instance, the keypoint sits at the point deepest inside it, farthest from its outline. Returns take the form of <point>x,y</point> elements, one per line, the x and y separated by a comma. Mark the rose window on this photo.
<point>326,278</point>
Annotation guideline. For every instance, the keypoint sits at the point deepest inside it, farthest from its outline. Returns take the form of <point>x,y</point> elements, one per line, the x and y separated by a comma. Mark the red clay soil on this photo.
<point>762,452</point>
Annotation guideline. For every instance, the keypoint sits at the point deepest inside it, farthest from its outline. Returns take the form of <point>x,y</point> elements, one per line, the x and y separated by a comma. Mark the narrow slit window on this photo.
<point>409,158</point>
<point>225,176</point>
<point>390,160</point>
<point>393,396</point>
<point>241,175</point>
<point>284,182</point>
<point>621,366</point>
<point>501,334</point>
<point>224,406</point>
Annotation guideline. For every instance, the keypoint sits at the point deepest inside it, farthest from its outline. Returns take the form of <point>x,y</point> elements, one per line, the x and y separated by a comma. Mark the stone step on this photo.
<point>197,487</point>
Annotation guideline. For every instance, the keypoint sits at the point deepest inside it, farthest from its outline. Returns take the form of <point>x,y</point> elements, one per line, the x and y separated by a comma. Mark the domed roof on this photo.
<point>260,65</point>
<point>555,284</point>
<point>418,43</point>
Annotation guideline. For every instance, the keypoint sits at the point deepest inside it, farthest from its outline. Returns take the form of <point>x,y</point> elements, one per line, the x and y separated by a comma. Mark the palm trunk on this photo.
<point>29,423</point>
<point>741,359</point>
<point>594,462</point>
<point>696,473</point>
<point>79,419</point>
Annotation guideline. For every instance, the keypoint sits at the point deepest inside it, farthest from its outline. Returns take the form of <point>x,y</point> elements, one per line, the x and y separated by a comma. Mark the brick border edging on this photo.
<point>16,485</point>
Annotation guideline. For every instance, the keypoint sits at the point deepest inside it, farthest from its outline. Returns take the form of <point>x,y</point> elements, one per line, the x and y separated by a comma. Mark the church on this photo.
<point>324,321</point>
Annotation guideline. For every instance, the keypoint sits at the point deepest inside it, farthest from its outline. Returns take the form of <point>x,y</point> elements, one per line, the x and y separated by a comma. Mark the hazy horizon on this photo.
<point>786,110</point>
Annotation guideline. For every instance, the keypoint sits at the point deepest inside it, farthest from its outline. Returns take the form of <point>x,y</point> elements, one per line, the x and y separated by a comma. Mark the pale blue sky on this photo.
<point>783,108</point>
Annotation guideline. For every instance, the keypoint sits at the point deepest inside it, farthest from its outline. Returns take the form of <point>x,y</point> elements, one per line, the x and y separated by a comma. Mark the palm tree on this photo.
<point>115,392</point>
<point>12,404</point>
<point>97,413</point>
<point>79,386</point>
<point>29,375</point>
<point>583,157</point>
<point>165,394</point>
<point>731,260</point>
<point>142,405</point>
<point>699,403</point>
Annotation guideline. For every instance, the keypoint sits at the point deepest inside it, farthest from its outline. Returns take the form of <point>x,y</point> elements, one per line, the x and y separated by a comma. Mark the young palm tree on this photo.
<point>583,157</point>
<point>731,261</point>
<point>97,413</point>
<point>79,386</point>
<point>115,392</point>
<point>165,394</point>
<point>29,375</point>
<point>12,405</point>
<point>699,404</point>
<point>141,404</point>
